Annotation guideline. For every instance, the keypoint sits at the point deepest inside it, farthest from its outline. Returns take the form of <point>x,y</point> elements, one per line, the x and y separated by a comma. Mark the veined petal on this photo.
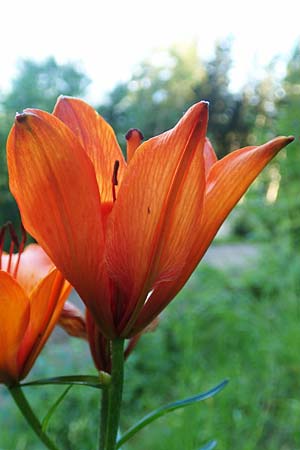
<point>227,181</point>
<point>96,137</point>
<point>14,318</point>
<point>73,321</point>
<point>54,183</point>
<point>210,158</point>
<point>149,226</point>
<point>34,265</point>
<point>46,303</point>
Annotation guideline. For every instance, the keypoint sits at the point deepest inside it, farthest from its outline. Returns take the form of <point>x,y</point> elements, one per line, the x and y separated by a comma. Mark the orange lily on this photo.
<point>126,236</point>
<point>32,294</point>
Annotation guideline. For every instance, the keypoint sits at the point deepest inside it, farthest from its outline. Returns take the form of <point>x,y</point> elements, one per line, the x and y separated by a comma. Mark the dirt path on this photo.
<point>235,254</point>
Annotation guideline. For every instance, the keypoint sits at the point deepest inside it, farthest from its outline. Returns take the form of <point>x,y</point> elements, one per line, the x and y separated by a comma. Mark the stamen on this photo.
<point>14,242</point>
<point>134,138</point>
<point>2,239</point>
<point>13,234</point>
<point>21,248</point>
<point>114,179</point>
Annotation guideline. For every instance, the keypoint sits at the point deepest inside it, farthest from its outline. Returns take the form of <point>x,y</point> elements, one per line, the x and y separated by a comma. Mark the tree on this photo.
<point>38,84</point>
<point>158,93</point>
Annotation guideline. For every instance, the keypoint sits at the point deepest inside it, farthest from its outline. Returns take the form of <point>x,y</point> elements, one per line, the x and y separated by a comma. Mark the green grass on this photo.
<point>241,325</point>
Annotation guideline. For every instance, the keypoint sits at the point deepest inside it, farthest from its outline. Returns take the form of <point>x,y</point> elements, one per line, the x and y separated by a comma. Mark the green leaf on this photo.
<point>51,411</point>
<point>98,382</point>
<point>209,446</point>
<point>168,408</point>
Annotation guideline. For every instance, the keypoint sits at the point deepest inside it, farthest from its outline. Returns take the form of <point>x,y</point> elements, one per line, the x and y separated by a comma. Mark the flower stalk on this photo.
<point>112,401</point>
<point>25,408</point>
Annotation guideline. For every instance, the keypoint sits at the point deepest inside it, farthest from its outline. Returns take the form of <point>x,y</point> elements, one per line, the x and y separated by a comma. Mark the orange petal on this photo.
<point>227,181</point>
<point>158,206</point>
<point>210,158</point>
<point>97,138</point>
<point>72,321</point>
<point>14,318</point>
<point>46,303</point>
<point>34,265</point>
<point>54,183</point>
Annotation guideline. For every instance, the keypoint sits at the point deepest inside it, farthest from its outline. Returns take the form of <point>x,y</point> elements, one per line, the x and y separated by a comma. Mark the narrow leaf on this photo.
<point>98,382</point>
<point>209,446</point>
<point>51,411</point>
<point>168,408</point>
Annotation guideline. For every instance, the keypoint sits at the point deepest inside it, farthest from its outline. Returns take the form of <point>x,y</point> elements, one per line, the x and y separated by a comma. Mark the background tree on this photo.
<point>38,84</point>
<point>160,91</point>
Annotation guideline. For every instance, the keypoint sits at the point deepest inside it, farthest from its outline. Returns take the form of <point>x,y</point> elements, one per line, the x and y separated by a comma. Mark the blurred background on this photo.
<point>142,65</point>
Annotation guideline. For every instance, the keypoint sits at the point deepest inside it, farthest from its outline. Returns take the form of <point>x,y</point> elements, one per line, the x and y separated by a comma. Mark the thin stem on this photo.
<point>115,392</point>
<point>103,418</point>
<point>23,405</point>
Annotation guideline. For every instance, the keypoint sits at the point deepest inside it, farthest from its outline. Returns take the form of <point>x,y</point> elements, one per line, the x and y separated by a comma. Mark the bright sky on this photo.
<point>110,38</point>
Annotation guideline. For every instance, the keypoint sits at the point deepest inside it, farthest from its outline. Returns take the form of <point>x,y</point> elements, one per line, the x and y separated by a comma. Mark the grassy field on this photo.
<point>243,325</point>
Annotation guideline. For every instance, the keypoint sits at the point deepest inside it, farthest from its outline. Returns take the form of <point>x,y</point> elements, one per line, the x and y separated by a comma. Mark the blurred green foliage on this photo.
<point>233,324</point>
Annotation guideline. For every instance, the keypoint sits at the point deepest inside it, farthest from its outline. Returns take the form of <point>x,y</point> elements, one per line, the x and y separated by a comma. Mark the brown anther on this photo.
<point>114,179</point>
<point>134,138</point>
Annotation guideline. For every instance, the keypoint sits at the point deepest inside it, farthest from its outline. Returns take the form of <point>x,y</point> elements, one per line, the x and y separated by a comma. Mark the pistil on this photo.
<point>134,138</point>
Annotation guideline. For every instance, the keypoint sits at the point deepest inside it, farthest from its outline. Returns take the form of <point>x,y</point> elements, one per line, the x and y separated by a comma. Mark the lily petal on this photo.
<point>34,265</point>
<point>227,181</point>
<point>155,210</point>
<point>14,319</point>
<point>96,137</point>
<point>51,177</point>
<point>210,157</point>
<point>46,303</point>
<point>73,321</point>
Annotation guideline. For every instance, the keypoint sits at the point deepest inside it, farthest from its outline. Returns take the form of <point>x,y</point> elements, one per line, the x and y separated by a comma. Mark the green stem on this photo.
<point>115,391</point>
<point>23,405</point>
<point>103,418</point>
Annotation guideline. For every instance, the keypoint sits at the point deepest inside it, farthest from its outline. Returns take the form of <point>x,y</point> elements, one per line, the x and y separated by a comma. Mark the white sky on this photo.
<point>110,38</point>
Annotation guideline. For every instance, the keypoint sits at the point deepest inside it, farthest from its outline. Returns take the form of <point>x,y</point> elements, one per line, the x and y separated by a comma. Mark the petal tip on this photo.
<point>290,139</point>
<point>21,117</point>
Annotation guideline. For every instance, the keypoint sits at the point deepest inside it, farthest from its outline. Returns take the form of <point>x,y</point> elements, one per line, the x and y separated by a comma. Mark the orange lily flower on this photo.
<point>126,236</point>
<point>32,294</point>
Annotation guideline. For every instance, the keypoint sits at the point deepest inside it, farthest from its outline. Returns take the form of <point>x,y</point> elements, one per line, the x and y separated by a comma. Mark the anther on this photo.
<point>134,138</point>
<point>114,179</point>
